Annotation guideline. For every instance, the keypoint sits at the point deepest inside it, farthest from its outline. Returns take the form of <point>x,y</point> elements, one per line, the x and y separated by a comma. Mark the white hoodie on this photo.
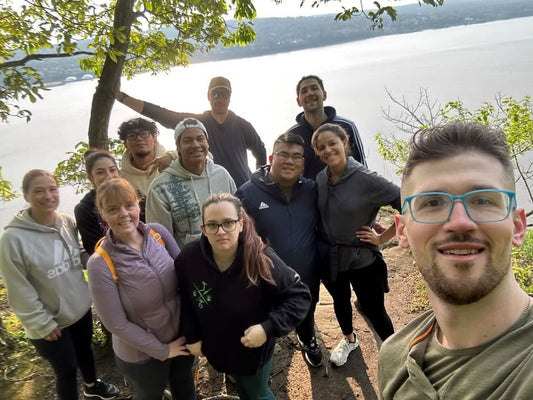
<point>42,272</point>
<point>176,196</point>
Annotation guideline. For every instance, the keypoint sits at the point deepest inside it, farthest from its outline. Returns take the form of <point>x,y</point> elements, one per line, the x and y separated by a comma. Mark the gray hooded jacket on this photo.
<point>176,196</point>
<point>42,272</point>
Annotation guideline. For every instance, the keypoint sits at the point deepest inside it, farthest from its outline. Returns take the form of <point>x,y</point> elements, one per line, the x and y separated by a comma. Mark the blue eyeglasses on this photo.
<point>485,205</point>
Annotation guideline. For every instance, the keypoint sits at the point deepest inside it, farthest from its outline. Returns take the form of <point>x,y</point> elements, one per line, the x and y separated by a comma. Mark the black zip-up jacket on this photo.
<point>313,165</point>
<point>290,227</point>
<point>217,307</point>
<point>89,222</point>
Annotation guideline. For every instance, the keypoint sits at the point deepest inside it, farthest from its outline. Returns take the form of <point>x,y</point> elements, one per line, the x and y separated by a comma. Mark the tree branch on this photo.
<point>38,57</point>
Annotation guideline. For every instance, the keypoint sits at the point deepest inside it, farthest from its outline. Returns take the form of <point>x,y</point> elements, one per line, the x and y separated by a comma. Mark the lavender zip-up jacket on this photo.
<point>142,310</point>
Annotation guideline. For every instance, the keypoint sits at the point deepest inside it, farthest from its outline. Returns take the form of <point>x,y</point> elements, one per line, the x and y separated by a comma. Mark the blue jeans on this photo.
<point>255,387</point>
<point>72,350</point>
<point>150,377</point>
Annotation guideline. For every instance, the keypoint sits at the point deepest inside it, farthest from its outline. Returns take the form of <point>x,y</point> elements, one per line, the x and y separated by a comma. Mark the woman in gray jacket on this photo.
<point>349,198</point>
<point>40,264</point>
<point>134,289</point>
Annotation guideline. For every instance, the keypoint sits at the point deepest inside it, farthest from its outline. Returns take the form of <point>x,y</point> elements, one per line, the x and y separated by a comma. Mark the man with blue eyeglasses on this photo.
<point>460,220</point>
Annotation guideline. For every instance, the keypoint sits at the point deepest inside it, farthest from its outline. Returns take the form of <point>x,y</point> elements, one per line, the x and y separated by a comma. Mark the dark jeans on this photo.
<point>369,286</point>
<point>149,378</point>
<point>255,387</point>
<point>306,329</point>
<point>72,350</point>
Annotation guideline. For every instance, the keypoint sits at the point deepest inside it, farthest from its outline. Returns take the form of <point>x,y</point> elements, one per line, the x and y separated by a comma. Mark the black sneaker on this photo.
<point>102,390</point>
<point>312,352</point>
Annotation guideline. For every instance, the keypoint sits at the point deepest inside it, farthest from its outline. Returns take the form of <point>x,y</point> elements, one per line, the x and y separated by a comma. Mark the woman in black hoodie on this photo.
<point>237,296</point>
<point>100,166</point>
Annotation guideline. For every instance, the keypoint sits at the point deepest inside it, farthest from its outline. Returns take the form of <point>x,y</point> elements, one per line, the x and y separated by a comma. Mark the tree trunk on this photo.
<point>104,98</point>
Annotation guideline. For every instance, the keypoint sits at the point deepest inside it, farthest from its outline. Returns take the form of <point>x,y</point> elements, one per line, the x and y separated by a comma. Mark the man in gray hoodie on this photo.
<point>175,197</point>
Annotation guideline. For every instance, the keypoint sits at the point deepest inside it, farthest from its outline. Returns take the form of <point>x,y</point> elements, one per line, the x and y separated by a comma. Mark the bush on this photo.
<point>523,262</point>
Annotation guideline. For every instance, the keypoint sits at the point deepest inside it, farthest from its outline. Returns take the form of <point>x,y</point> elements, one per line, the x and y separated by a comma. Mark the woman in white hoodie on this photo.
<point>40,264</point>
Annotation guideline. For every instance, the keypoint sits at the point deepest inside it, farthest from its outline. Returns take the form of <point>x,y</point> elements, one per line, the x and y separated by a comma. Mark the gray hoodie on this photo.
<point>176,196</point>
<point>42,273</point>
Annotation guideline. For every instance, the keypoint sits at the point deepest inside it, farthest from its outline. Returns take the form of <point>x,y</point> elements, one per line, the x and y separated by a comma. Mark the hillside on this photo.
<point>277,35</point>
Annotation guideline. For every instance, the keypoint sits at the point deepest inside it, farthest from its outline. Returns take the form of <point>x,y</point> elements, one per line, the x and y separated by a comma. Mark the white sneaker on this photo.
<point>340,354</point>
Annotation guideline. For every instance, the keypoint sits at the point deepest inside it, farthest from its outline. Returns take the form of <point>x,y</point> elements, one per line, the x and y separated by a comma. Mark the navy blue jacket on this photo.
<point>217,307</point>
<point>313,165</point>
<point>288,226</point>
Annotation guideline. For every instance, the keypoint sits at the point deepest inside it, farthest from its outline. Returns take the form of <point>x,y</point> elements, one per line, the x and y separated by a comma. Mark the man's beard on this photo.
<point>462,293</point>
<point>142,153</point>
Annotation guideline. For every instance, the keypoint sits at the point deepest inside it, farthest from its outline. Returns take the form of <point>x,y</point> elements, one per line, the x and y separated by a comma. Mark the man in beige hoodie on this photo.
<point>139,136</point>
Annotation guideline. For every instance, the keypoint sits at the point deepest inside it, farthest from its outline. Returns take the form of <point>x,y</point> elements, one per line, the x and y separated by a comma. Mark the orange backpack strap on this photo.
<point>100,250</point>
<point>157,237</point>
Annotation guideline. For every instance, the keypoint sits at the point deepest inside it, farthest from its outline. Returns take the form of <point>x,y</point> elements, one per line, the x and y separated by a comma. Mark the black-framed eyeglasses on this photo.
<point>284,156</point>
<point>133,135</point>
<point>211,228</point>
<point>220,95</point>
<point>485,205</point>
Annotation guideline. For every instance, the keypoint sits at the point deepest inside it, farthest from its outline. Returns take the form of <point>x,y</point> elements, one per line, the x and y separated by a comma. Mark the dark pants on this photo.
<point>255,387</point>
<point>149,378</point>
<point>306,329</point>
<point>72,350</point>
<point>369,286</point>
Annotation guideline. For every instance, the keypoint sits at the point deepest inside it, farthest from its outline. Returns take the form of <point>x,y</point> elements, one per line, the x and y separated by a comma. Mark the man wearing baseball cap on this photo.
<point>176,196</point>
<point>230,136</point>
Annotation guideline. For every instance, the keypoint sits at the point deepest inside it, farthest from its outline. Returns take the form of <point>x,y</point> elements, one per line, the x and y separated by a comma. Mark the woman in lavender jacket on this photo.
<point>141,306</point>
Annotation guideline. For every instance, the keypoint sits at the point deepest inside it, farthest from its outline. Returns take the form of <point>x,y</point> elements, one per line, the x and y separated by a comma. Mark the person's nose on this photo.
<point>459,220</point>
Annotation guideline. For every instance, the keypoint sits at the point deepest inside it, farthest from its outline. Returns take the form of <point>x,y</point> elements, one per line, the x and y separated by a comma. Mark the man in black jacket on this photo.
<point>283,206</point>
<point>310,96</point>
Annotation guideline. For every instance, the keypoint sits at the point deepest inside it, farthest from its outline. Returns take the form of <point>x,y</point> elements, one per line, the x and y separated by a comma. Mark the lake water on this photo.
<point>472,63</point>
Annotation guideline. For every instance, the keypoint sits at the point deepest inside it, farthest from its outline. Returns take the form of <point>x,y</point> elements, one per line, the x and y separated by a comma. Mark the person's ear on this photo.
<point>401,231</point>
<point>270,159</point>
<point>325,95</point>
<point>519,226</point>
<point>298,101</point>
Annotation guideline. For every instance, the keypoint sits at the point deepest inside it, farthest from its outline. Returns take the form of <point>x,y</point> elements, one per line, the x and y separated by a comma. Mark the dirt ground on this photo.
<point>291,378</point>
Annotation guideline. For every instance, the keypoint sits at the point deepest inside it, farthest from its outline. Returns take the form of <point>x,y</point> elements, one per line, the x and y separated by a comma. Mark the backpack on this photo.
<point>100,250</point>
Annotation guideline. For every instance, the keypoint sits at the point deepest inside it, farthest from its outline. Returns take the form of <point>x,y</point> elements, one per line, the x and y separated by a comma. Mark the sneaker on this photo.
<point>101,389</point>
<point>312,352</point>
<point>340,354</point>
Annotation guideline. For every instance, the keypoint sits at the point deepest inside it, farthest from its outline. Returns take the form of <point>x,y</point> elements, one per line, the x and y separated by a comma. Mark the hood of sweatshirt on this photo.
<point>127,167</point>
<point>330,112</point>
<point>23,220</point>
<point>352,166</point>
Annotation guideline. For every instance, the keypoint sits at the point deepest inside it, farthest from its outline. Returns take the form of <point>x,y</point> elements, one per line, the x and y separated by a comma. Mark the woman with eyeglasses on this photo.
<point>134,289</point>
<point>237,296</point>
<point>349,198</point>
<point>100,166</point>
<point>41,268</point>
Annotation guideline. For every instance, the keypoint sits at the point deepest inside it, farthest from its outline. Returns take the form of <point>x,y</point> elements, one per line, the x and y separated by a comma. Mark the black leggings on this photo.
<point>149,378</point>
<point>369,287</point>
<point>72,350</point>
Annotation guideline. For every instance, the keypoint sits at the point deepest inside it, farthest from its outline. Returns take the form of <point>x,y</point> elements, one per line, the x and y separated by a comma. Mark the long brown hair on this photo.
<point>257,266</point>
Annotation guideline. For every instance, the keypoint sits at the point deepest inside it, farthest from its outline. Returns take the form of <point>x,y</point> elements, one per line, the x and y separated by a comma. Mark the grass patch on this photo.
<point>420,300</point>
